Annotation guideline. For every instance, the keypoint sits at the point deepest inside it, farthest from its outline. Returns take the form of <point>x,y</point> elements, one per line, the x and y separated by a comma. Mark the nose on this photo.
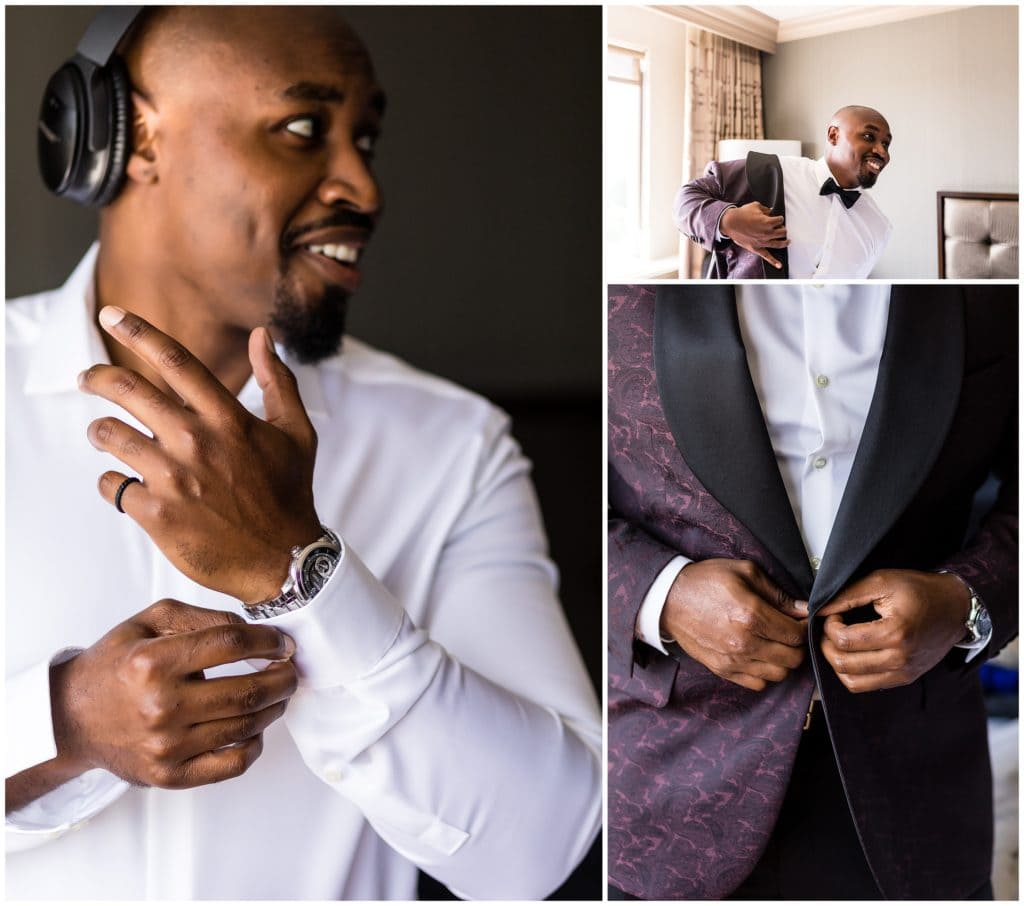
<point>349,181</point>
<point>881,151</point>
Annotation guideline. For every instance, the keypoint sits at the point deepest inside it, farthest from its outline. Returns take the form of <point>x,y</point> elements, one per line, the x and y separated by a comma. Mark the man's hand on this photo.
<point>137,704</point>
<point>923,615</point>
<point>224,495</point>
<point>733,619</point>
<point>752,227</point>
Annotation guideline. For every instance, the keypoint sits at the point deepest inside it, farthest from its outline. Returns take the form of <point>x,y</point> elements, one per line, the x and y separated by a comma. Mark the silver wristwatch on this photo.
<point>978,625</point>
<point>310,569</point>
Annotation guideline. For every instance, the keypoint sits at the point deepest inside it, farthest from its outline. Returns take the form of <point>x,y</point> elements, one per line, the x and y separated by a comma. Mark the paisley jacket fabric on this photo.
<point>698,766</point>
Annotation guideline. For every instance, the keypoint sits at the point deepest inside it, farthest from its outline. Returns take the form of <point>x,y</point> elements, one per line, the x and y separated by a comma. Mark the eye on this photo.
<point>307,127</point>
<point>367,144</point>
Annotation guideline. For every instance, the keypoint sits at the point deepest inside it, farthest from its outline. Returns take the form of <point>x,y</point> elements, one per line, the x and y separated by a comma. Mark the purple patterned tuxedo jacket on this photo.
<point>698,766</point>
<point>699,205</point>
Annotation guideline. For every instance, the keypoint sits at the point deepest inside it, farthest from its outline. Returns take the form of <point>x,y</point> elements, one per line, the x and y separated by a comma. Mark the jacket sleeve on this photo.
<point>989,563</point>
<point>699,206</point>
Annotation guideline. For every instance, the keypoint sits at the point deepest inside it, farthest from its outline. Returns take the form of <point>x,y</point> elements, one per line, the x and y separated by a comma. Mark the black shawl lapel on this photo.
<point>713,411</point>
<point>919,379</point>
<point>764,177</point>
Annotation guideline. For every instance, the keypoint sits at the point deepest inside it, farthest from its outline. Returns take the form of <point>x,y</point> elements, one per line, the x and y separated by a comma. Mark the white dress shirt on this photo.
<point>813,354</point>
<point>443,718</point>
<point>827,239</point>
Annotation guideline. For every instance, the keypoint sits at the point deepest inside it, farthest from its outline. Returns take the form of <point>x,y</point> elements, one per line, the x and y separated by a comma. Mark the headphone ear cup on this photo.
<point>120,131</point>
<point>61,129</point>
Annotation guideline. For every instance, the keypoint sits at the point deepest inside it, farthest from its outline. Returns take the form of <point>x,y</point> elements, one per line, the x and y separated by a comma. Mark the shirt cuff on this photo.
<point>648,620</point>
<point>29,718</point>
<point>718,228</point>
<point>972,648</point>
<point>71,804</point>
<point>346,629</point>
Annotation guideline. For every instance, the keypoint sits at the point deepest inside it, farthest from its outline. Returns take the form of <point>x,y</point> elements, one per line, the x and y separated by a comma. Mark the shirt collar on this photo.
<point>822,172</point>
<point>70,342</point>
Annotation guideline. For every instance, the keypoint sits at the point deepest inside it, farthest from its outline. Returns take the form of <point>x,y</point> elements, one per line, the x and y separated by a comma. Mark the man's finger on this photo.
<point>224,697</point>
<point>860,663</point>
<point>170,617</point>
<point>762,253</point>
<point>871,636</point>
<point>133,393</point>
<point>220,764</point>
<point>182,371</point>
<point>761,619</point>
<point>871,682</point>
<point>134,493</point>
<point>136,450</point>
<point>225,644</point>
<point>776,597</point>
<point>215,734</point>
<point>282,404</point>
<point>864,591</point>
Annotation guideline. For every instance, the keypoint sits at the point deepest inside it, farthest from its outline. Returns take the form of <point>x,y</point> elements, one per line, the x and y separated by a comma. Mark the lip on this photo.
<point>347,276</point>
<point>343,274</point>
<point>877,161</point>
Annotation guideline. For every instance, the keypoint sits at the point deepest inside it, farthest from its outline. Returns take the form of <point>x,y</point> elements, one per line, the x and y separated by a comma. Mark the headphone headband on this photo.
<point>105,32</point>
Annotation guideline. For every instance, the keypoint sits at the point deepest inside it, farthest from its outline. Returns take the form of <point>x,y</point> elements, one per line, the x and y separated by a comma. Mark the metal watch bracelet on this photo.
<point>295,593</point>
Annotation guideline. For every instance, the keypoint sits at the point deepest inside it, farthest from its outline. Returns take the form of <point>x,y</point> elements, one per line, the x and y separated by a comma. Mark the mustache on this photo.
<point>341,218</point>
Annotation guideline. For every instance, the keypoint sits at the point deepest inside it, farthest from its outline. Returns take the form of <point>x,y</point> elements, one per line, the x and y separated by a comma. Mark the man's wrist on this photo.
<point>309,569</point>
<point>976,623</point>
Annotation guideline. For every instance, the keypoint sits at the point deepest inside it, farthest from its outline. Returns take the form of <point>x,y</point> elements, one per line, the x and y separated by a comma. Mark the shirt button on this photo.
<point>820,462</point>
<point>818,285</point>
<point>822,381</point>
<point>334,775</point>
<point>815,563</point>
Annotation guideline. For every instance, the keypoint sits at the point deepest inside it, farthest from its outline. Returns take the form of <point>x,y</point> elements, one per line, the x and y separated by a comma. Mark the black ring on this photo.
<point>120,492</point>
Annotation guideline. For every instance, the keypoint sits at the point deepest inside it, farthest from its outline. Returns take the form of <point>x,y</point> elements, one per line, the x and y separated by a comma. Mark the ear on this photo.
<point>142,164</point>
<point>833,134</point>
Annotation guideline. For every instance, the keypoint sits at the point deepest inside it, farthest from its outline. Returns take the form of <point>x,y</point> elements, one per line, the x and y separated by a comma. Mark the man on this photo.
<point>375,527</point>
<point>795,617</point>
<point>773,216</point>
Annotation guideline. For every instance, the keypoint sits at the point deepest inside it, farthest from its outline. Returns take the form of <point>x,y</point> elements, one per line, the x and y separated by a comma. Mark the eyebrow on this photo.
<point>877,129</point>
<point>320,91</point>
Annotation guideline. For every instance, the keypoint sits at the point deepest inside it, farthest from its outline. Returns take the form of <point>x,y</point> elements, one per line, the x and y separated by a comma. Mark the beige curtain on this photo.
<point>723,100</point>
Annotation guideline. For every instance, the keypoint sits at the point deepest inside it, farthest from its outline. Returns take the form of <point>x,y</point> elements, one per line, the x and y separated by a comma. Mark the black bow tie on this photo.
<point>831,187</point>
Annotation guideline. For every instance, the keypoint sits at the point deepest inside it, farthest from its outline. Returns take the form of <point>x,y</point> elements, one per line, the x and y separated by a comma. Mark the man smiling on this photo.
<point>770,216</point>
<point>375,527</point>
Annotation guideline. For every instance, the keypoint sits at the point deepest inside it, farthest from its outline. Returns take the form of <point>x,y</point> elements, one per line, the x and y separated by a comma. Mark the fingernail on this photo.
<point>81,379</point>
<point>111,315</point>
<point>269,341</point>
<point>800,605</point>
<point>289,645</point>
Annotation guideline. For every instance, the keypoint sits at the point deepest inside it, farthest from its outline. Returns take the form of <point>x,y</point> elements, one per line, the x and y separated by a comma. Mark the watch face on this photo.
<point>983,625</point>
<point>316,569</point>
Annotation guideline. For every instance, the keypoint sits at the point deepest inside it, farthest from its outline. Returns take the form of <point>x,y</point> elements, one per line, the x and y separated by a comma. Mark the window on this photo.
<point>623,149</point>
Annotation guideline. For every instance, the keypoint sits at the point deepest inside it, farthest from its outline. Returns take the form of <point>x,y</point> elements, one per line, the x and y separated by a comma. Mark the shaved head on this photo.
<point>171,43</point>
<point>846,114</point>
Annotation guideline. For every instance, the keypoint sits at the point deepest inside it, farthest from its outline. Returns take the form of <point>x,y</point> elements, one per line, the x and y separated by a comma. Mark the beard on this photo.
<point>312,331</point>
<point>866,177</point>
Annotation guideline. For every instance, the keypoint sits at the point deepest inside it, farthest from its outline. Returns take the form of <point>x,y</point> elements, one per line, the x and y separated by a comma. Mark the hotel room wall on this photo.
<point>948,85</point>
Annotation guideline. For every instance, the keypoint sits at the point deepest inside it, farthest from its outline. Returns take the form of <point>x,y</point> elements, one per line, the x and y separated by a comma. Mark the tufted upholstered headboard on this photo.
<point>977,234</point>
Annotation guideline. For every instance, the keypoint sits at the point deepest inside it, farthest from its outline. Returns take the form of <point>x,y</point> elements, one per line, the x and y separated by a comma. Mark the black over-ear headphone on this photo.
<point>86,115</point>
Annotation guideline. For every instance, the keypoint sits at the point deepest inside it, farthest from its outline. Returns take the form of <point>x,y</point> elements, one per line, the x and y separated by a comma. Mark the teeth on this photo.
<point>347,254</point>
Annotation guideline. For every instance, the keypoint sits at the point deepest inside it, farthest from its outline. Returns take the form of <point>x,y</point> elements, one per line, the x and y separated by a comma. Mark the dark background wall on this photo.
<point>487,265</point>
